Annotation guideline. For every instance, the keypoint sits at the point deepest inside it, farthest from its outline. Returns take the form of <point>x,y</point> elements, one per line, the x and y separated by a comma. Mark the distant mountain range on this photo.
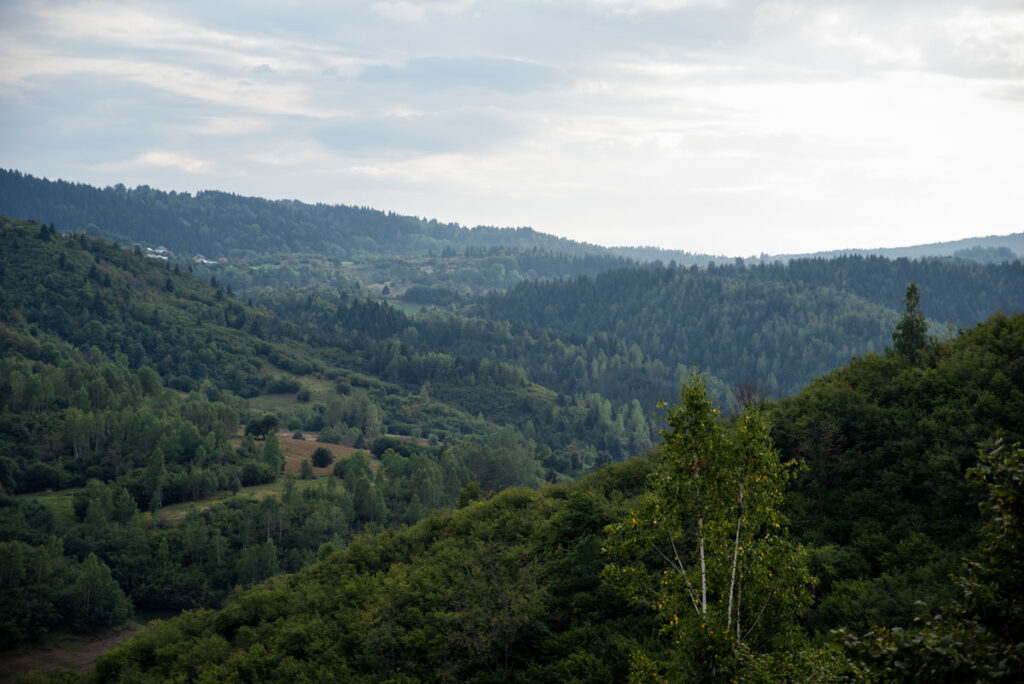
<point>219,224</point>
<point>993,249</point>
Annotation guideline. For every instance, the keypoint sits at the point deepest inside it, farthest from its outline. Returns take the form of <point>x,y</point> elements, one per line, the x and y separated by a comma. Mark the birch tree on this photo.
<point>706,548</point>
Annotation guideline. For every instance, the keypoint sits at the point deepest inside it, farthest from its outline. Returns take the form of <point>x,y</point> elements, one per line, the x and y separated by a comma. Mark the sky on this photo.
<point>713,126</point>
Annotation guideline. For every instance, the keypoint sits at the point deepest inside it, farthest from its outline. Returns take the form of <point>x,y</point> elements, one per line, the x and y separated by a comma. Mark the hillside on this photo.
<point>152,427</point>
<point>219,224</point>
<point>515,588</point>
<point>771,326</point>
<point>990,249</point>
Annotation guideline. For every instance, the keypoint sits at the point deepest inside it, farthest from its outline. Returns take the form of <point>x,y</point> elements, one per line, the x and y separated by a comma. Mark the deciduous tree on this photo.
<point>707,547</point>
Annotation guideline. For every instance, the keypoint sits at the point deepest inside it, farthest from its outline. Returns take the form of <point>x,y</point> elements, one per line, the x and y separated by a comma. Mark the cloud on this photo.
<point>985,40</point>
<point>230,125</point>
<point>639,6</point>
<point>436,73</point>
<point>465,129</point>
<point>159,159</point>
<point>407,11</point>
<point>986,43</point>
<point>680,122</point>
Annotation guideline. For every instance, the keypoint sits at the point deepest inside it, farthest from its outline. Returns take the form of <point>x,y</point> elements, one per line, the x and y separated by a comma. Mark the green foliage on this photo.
<point>221,224</point>
<point>262,426</point>
<point>42,590</point>
<point>776,325</point>
<point>130,391</point>
<point>883,502</point>
<point>981,636</point>
<point>322,457</point>
<point>910,334</point>
<point>506,589</point>
<point>707,548</point>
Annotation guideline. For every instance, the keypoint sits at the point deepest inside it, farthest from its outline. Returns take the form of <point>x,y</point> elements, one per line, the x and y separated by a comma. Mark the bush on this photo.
<point>322,457</point>
<point>330,435</point>
<point>256,473</point>
<point>282,385</point>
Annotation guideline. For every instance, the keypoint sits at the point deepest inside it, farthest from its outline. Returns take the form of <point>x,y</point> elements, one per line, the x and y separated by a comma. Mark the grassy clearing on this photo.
<point>63,651</point>
<point>60,502</point>
<point>295,452</point>
<point>277,403</point>
<point>176,513</point>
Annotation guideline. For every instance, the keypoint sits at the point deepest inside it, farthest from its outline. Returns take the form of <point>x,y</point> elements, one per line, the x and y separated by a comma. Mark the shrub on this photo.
<point>322,457</point>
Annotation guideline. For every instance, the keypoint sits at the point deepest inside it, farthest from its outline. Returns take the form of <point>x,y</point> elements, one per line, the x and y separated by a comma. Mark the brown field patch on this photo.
<point>298,450</point>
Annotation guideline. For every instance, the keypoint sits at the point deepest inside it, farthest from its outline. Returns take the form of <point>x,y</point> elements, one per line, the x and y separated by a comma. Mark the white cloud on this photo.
<point>230,126</point>
<point>409,11</point>
<point>159,159</point>
<point>638,6</point>
<point>992,43</point>
<point>947,37</point>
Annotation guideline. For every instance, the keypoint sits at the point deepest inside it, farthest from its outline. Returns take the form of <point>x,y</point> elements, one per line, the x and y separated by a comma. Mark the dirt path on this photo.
<point>70,652</point>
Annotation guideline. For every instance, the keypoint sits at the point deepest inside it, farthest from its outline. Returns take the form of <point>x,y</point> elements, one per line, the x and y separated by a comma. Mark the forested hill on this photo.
<point>218,224</point>
<point>528,586</point>
<point>138,312</point>
<point>776,326</point>
<point>125,477</point>
<point>989,249</point>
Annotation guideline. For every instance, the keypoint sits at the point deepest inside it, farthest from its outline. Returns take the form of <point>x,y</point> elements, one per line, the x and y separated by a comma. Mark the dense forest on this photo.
<point>570,583</point>
<point>373,447</point>
<point>125,386</point>
<point>220,224</point>
<point>777,326</point>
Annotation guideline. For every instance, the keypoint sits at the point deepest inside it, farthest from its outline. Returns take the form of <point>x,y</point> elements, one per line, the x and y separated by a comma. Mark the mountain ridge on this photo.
<point>83,207</point>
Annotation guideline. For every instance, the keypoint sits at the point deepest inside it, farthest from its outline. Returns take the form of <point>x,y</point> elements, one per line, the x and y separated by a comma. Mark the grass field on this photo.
<point>60,503</point>
<point>320,390</point>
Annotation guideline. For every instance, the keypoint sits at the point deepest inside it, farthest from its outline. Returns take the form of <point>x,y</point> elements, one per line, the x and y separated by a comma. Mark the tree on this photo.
<point>154,478</point>
<point>322,457</point>
<point>97,599</point>
<point>910,334</point>
<point>707,547</point>
<point>306,470</point>
<point>260,427</point>
<point>356,466</point>
<point>272,454</point>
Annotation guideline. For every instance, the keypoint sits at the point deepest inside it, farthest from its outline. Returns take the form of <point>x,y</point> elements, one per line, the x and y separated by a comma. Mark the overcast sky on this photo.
<point>715,126</point>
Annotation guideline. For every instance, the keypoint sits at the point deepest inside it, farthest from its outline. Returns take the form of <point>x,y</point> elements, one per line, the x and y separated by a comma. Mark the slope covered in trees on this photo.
<point>512,588</point>
<point>123,388</point>
<point>775,326</point>
<point>220,224</point>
